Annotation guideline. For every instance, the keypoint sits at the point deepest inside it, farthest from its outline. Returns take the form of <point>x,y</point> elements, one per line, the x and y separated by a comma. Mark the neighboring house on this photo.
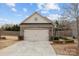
<point>74,28</point>
<point>65,32</point>
<point>64,28</point>
<point>36,27</point>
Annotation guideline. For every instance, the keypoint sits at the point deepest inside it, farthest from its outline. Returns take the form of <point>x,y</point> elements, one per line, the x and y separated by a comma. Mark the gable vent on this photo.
<point>36,18</point>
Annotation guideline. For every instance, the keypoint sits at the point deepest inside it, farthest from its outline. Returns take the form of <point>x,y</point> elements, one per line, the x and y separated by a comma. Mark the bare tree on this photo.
<point>56,28</point>
<point>71,10</point>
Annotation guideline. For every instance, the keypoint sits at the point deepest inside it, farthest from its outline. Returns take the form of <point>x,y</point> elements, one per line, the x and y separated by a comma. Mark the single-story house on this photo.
<point>36,27</point>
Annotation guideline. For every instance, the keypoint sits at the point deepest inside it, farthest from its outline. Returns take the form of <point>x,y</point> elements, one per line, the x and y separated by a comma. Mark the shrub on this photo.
<point>20,38</point>
<point>56,38</point>
<point>53,38</point>
<point>3,38</point>
<point>73,37</point>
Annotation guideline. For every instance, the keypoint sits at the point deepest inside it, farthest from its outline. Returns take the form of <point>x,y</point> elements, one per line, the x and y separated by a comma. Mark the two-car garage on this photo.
<point>36,35</point>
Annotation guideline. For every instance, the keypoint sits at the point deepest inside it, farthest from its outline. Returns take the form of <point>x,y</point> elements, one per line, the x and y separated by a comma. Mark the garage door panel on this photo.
<point>36,35</point>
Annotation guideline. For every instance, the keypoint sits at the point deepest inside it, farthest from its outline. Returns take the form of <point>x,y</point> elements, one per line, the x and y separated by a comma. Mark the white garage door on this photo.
<point>36,35</point>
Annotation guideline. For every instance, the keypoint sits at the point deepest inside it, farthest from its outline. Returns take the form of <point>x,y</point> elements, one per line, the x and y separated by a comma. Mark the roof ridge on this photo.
<point>39,15</point>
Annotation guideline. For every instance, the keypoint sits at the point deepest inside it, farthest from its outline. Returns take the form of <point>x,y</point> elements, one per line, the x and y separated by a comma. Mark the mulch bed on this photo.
<point>65,49</point>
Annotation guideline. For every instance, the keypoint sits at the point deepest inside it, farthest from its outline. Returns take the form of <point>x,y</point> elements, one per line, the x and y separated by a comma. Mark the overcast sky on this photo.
<point>15,13</point>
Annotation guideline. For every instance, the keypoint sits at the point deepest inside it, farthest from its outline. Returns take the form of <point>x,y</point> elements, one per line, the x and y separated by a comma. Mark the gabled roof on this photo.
<point>49,21</point>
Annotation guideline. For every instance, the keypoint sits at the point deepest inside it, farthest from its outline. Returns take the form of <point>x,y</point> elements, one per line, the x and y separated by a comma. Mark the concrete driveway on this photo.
<point>29,48</point>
